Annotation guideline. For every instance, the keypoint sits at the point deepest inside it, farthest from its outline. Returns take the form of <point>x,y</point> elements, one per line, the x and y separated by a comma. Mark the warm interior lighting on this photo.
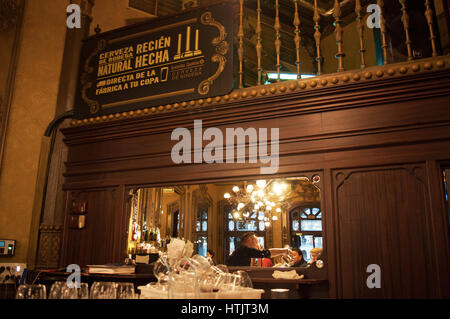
<point>264,197</point>
<point>261,183</point>
<point>273,76</point>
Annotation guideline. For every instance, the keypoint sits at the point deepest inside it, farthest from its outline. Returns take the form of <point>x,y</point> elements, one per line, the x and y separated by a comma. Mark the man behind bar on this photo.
<point>249,248</point>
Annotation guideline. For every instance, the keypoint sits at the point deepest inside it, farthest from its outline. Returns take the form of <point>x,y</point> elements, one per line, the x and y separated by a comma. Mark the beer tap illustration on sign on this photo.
<point>188,52</point>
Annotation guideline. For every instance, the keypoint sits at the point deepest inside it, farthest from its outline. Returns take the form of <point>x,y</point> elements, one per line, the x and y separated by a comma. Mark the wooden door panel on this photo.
<point>382,219</point>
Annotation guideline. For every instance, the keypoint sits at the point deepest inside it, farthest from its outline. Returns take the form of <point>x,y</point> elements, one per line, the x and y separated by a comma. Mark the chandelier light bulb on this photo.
<point>236,215</point>
<point>267,224</point>
<point>269,208</point>
<point>240,206</point>
<point>249,188</point>
<point>235,189</point>
<point>274,218</point>
<point>277,189</point>
<point>261,183</point>
<point>226,195</point>
<point>278,210</point>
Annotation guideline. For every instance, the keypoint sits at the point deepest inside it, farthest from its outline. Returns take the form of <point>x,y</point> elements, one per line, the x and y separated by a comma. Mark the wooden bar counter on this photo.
<point>261,279</point>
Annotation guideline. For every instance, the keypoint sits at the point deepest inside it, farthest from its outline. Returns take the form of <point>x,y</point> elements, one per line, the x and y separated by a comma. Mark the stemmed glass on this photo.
<point>76,293</point>
<point>103,290</point>
<point>161,270</point>
<point>125,290</point>
<point>56,290</point>
<point>244,279</point>
<point>31,292</point>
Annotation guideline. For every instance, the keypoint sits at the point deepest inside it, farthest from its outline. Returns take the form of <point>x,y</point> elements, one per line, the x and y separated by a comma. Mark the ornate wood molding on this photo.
<point>288,89</point>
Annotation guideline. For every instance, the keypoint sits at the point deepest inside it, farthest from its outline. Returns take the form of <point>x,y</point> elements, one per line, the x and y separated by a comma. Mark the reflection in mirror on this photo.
<point>280,212</point>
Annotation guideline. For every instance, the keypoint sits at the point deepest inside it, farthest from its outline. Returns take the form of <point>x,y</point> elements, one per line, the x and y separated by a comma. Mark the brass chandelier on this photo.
<point>262,197</point>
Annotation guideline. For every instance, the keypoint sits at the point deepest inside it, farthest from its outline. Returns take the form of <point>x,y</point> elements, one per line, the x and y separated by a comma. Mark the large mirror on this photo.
<point>280,212</point>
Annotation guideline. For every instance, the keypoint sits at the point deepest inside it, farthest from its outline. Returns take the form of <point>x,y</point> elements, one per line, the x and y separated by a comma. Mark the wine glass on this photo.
<point>230,282</point>
<point>161,270</point>
<point>221,267</point>
<point>125,290</point>
<point>56,290</point>
<point>103,290</point>
<point>31,292</point>
<point>287,260</point>
<point>76,293</point>
<point>244,279</point>
<point>202,262</point>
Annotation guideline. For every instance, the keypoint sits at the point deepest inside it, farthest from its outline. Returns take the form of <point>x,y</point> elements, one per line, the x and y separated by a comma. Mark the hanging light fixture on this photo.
<point>264,198</point>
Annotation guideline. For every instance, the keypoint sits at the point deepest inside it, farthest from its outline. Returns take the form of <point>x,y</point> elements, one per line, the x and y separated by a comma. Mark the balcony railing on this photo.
<point>295,39</point>
<point>324,43</point>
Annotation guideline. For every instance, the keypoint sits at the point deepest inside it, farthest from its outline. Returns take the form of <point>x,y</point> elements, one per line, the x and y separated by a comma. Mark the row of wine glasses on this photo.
<point>113,290</point>
<point>194,276</point>
<point>60,290</point>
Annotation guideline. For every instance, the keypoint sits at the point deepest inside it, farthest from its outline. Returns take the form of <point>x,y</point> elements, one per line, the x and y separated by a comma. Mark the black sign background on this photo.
<point>167,60</point>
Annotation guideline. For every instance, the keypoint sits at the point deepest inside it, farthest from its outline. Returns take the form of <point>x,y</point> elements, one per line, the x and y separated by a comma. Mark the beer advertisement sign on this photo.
<point>163,61</point>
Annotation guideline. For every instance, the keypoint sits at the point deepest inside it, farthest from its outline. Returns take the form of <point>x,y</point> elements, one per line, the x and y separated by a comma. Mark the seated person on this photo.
<point>315,254</point>
<point>297,255</point>
<point>210,256</point>
<point>249,249</point>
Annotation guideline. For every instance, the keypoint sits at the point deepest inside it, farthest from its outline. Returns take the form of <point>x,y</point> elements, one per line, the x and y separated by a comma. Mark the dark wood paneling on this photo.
<point>382,219</point>
<point>377,145</point>
<point>101,241</point>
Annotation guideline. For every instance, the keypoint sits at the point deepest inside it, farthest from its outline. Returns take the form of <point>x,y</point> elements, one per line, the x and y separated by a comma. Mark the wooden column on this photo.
<point>384,45</point>
<point>360,26</point>
<point>241,44</point>
<point>259,40</point>
<point>405,21</point>
<point>297,38</point>
<point>339,41</point>
<point>317,36</point>
<point>277,27</point>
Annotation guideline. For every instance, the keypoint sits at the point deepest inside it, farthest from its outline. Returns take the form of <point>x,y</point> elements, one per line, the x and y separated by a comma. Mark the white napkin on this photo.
<point>175,249</point>
<point>188,249</point>
<point>286,275</point>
